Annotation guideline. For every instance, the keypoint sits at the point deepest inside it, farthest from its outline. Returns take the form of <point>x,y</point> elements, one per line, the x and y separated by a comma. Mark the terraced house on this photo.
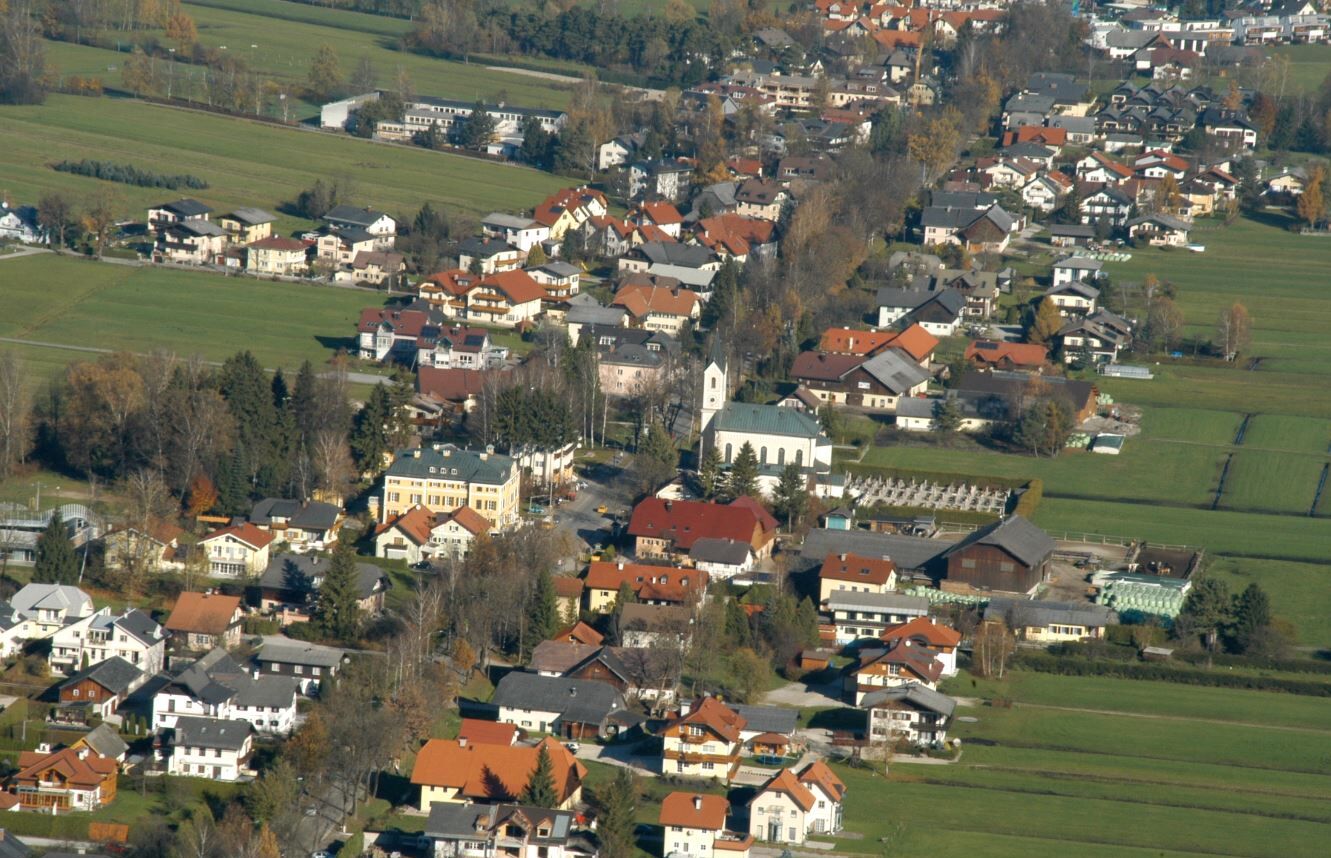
<point>444,477</point>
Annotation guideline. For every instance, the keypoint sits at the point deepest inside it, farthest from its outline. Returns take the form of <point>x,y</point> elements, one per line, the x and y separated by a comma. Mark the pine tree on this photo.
<point>738,630</point>
<point>807,621</point>
<point>57,563</point>
<point>233,497</point>
<point>790,498</point>
<point>369,434</point>
<point>947,415</point>
<point>1252,612</point>
<point>540,789</point>
<point>709,473</point>
<point>618,811</point>
<point>542,612</point>
<point>304,402</point>
<point>338,610</point>
<point>249,397</point>
<point>725,296</point>
<point>743,478</point>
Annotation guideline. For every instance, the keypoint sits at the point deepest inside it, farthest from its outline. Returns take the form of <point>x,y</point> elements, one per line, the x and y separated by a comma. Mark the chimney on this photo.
<point>697,802</point>
<point>619,565</point>
<point>668,505</point>
<point>462,741</point>
<point>573,691</point>
<point>843,557</point>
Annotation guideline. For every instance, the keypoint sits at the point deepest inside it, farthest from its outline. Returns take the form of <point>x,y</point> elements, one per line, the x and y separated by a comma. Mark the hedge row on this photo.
<point>1119,646</point>
<point>1285,665</point>
<point>944,477</point>
<point>1030,499</point>
<point>1161,672</point>
<point>128,174</point>
<point>27,823</point>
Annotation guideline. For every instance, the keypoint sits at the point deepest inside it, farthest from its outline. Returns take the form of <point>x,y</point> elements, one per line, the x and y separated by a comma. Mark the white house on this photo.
<point>791,806</point>
<point>721,559</point>
<point>1074,268</point>
<point>20,224</point>
<point>522,233</point>
<point>912,711</point>
<point>238,551</point>
<point>861,615</point>
<point>133,636</point>
<point>46,608</point>
<point>419,534</point>
<point>216,686</point>
<point>212,748</point>
<point>694,826</point>
<point>1074,298</point>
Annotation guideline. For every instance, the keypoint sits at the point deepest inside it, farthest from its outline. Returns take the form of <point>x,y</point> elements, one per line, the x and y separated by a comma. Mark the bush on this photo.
<point>1030,499</point>
<point>128,174</point>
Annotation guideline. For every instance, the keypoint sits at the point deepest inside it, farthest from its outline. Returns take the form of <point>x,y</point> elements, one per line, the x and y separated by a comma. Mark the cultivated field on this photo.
<point>245,163</point>
<point>1127,768</point>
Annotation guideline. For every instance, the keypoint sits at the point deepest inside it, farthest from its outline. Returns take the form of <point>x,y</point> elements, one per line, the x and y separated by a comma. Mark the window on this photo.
<point>762,456</point>
<point>781,456</point>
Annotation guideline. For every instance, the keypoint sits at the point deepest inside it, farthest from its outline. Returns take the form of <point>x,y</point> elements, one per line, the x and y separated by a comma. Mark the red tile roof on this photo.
<point>990,353</point>
<point>651,583</point>
<point>245,532</point>
<point>491,773</point>
<point>203,613</point>
<point>857,568</point>
<point>817,366</point>
<point>567,587</point>
<point>818,773</point>
<point>475,731</point>
<point>922,630</point>
<point>449,385</point>
<point>660,213</point>
<point>786,783</point>
<point>550,209</point>
<point>715,716</point>
<point>695,810</point>
<point>643,300</point>
<point>83,768</point>
<point>581,633</point>
<point>914,341</point>
<point>684,522</point>
<point>517,285</point>
<point>1036,134</point>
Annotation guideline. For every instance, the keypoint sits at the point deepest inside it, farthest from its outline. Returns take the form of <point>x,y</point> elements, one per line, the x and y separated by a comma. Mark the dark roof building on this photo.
<point>1011,555</point>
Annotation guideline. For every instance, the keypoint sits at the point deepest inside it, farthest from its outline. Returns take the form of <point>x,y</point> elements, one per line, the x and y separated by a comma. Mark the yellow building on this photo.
<point>247,225</point>
<point>444,477</point>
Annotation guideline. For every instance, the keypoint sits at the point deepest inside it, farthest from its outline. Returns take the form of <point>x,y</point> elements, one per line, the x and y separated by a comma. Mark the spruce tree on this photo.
<point>542,612</point>
<point>338,609</point>
<point>249,397</point>
<point>540,789</point>
<point>743,479</point>
<point>618,811</point>
<point>369,434</point>
<point>1252,612</point>
<point>57,563</point>
<point>233,495</point>
<point>710,477</point>
<point>791,496</point>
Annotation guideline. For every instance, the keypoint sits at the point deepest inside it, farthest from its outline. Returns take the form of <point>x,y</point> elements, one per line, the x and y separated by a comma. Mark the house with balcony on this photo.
<point>792,805</point>
<point>218,749</point>
<point>504,831</point>
<point>705,741</point>
<point>902,661</point>
<point>460,771</point>
<point>58,781</point>
<point>218,687</point>
<point>418,534</point>
<point>912,712</point>
<point>865,615</point>
<point>301,525</point>
<point>132,635</point>
<point>237,551</point>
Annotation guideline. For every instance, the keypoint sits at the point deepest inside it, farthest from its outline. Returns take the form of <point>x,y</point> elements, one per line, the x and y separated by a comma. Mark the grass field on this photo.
<point>1284,432</point>
<point>285,37</point>
<point>65,300</point>
<point>1275,482</point>
<point>1122,768</point>
<point>1308,65</point>
<point>245,163</point>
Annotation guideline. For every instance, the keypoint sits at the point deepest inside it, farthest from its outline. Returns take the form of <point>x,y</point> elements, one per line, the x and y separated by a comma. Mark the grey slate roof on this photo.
<point>219,733</point>
<point>890,296</point>
<point>1016,536</point>
<point>913,695</point>
<point>452,463</point>
<point>899,602</point>
<point>51,597</point>
<point>672,253</point>
<point>579,700</point>
<point>309,515</point>
<point>106,741</point>
<point>302,574</point>
<point>1023,612</point>
<point>216,678</point>
<point>710,549</point>
<point>353,215</point>
<point>895,371</point>
<point>12,847</point>
<point>186,208</point>
<point>114,674</point>
<point>1080,263</point>
<point>766,420</point>
<point>1075,287</point>
<point>907,552</point>
<point>277,650</point>
<point>769,719</point>
<point>140,625</point>
<point>594,314</point>
<point>252,216</point>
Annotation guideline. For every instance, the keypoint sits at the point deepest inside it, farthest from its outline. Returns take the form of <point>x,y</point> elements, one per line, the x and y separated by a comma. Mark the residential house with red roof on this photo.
<point>661,214</point>
<point>857,573</point>
<point>926,632</point>
<point>914,341</point>
<point>705,742</point>
<point>1003,355</point>
<point>419,534</point>
<point>653,585</point>
<point>665,528</point>
<point>155,547</point>
<point>476,732</point>
<point>445,396</point>
<point>693,825</point>
<point>238,551</point>
<point>202,621</point>
<point>792,805</point>
<point>64,780</point>
<point>570,208</point>
<point>453,771</point>
<point>902,661</point>
<point>657,304</point>
<point>874,383</point>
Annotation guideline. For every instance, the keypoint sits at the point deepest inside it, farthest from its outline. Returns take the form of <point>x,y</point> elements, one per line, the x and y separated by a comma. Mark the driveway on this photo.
<point>622,756</point>
<point>801,696</point>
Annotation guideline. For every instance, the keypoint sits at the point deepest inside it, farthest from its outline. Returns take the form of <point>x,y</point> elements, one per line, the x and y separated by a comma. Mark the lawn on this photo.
<point>1308,65</point>
<point>1035,781</point>
<point>1272,482</point>
<point>1193,425</point>
<point>1285,432</point>
<point>66,300</point>
<point>245,163</point>
<point>1298,591</point>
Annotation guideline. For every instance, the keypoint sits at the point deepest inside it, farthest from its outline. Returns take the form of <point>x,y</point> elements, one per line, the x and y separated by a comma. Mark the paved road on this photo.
<point>607,484</point>
<point>22,252</point>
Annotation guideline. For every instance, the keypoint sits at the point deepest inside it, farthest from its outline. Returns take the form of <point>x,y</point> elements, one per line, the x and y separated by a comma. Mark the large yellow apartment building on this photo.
<point>443,478</point>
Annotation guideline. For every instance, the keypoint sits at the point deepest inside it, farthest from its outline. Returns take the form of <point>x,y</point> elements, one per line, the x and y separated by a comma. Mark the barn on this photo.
<point>1011,555</point>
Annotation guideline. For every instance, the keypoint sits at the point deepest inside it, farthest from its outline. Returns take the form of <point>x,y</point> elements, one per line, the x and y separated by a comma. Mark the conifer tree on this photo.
<point>57,563</point>
<point>542,612</point>
<point>540,789</point>
<point>743,479</point>
<point>338,609</point>
<point>619,809</point>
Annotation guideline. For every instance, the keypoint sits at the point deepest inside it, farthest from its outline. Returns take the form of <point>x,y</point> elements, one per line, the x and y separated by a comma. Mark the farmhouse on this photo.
<point>1004,355</point>
<point>1051,622</point>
